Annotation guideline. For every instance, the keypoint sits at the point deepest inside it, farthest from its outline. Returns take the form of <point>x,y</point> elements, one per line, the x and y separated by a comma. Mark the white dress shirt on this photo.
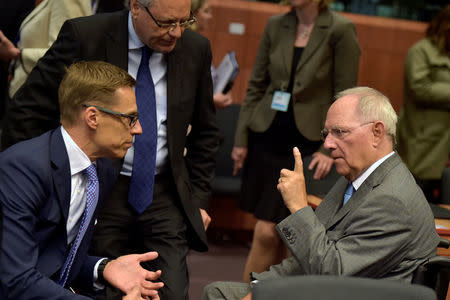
<point>158,69</point>
<point>360,180</point>
<point>78,161</point>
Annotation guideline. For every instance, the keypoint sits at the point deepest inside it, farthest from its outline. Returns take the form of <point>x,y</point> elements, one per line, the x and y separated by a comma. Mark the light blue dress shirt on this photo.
<point>158,69</point>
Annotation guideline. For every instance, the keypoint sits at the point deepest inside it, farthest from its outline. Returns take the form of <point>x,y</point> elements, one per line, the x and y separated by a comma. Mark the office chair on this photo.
<point>435,273</point>
<point>224,183</point>
<point>322,287</point>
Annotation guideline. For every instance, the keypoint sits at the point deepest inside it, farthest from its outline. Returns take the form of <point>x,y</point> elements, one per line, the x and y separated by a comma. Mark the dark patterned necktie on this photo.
<point>142,178</point>
<point>91,203</point>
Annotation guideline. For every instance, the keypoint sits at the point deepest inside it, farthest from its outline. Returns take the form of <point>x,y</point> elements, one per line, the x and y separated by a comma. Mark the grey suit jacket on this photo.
<point>385,230</point>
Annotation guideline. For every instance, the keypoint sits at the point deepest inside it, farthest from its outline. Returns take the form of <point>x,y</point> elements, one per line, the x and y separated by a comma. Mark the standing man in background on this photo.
<point>160,206</point>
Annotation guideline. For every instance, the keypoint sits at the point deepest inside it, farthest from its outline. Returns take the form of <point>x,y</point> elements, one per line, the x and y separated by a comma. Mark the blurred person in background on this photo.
<point>41,27</point>
<point>305,57</point>
<point>424,125</point>
<point>202,11</point>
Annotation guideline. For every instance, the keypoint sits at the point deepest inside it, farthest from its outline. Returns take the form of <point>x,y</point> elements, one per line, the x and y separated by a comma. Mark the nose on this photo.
<point>177,32</point>
<point>137,128</point>
<point>329,143</point>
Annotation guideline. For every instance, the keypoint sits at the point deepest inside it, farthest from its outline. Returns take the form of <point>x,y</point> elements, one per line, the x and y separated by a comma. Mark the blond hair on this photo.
<point>92,82</point>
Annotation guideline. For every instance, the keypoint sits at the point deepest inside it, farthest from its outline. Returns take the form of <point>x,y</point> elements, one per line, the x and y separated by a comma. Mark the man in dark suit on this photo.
<point>53,184</point>
<point>373,223</point>
<point>180,70</point>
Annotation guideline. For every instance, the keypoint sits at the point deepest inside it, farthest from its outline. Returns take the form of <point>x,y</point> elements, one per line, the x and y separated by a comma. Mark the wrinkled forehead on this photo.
<point>173,9</point>
<point>343,112</point>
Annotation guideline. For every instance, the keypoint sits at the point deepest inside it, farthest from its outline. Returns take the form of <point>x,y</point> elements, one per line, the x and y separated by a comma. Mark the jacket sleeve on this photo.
<point>369,248</point>
<point>34,108</point>
<point>419,68</point>
<point>203,142</point>
<point>257,86</point>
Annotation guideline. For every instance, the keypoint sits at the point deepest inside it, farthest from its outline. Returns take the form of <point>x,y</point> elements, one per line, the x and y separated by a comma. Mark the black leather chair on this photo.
<point>224,183</point>
<point>435,273</point>
<point>339,288</point>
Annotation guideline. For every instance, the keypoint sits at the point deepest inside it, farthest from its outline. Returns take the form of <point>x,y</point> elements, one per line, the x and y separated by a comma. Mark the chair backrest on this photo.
<point>435,274</point>
<point>224,181</point>
<point>339,288</point>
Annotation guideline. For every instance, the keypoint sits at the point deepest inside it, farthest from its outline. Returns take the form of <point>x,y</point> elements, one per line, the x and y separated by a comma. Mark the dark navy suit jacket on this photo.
<point>35,190</point>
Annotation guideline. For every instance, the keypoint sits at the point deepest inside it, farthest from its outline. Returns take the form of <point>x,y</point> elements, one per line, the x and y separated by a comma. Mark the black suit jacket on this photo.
<point>34,108</point>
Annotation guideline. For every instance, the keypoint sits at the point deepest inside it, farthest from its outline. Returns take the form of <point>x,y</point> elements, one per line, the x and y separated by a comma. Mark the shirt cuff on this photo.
<point>97,284</point>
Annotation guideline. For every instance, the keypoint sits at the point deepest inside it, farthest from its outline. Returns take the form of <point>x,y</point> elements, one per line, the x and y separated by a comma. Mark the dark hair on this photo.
<point>438,29</point>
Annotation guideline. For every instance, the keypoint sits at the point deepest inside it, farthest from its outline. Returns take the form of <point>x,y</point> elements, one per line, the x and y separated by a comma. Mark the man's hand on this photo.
<point>126,273</point>
<point>7,49</point>
<point>248,297</point>
<point>222,100</point>
<point>322,163</point>
<point>239,154</point>
<point>291,185</point>
<point>206,218</point>
<point>135,294</point>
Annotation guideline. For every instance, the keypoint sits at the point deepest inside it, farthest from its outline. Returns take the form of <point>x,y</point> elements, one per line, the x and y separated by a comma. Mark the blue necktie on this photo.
<point>348,192</point>
<point>91,203</point>
<point>142,178</point>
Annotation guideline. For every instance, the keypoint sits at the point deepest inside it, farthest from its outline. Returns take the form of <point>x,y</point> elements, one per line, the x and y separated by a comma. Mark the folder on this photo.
<point>226,73</point>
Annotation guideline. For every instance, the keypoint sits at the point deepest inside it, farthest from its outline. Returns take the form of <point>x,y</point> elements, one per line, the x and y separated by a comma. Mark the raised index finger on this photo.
<point>298,167</point>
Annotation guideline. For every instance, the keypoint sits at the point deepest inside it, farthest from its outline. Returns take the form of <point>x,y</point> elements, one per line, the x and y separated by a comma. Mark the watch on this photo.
<point>100,269</point>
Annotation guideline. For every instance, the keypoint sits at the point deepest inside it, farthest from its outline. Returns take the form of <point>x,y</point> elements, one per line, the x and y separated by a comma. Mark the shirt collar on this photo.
<point>133,40</point>
<point>359,181</point>
<point>78,160</point>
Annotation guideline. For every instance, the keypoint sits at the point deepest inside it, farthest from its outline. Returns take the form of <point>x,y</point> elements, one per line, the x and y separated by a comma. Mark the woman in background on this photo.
<point>305,57</point>
<point>202,11</point>
<point>424,124</point>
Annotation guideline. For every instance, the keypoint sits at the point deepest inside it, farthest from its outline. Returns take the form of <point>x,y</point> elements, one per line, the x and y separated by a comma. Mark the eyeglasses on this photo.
<point>172,25</point>
<point>131,118</point>
<point>340,133</point>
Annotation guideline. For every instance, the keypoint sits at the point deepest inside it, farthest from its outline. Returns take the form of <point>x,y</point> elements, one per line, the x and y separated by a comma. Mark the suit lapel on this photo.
<point>61,171</point>
<point>175,87</point>
<point>368,185</point>
<point>34,12</point>
<point>318,34</point>
<point>116,42</point>
<point>288,38</point>
<point>331,203</point>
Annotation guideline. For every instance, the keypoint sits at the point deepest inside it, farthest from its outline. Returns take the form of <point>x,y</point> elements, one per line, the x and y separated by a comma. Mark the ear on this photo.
<point>90,117</point>
<point>379,132</point>
<point>134,8</point>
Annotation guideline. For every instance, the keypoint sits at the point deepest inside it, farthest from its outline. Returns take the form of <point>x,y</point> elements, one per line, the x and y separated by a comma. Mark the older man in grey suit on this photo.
<point>374,223</point>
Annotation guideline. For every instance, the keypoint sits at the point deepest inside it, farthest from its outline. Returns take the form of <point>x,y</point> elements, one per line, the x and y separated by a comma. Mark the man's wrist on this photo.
<point>101,269</point>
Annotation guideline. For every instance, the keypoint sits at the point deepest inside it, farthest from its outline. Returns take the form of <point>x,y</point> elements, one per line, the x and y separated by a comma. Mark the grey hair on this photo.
<point>145,3</point>
<point>374,106</point>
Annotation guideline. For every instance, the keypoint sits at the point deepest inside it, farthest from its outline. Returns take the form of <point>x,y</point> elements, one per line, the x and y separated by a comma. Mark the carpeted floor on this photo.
<point>224,261</point>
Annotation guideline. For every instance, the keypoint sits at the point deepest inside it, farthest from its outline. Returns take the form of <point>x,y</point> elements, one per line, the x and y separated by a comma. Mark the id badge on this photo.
<point>280,101</point>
